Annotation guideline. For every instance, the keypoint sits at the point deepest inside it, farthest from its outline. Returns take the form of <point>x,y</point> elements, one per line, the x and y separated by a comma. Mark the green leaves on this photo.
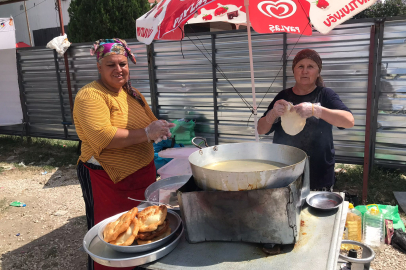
<point>389,8</point>
<point>91,20</point>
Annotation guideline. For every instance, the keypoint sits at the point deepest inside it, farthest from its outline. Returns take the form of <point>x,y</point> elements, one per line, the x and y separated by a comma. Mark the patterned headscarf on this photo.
<point>106,47</point>
<point>312,55</point>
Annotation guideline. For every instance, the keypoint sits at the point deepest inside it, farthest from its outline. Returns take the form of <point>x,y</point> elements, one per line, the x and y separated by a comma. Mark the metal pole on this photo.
<point>254,100</point>
<point>152,79</point>
<point>65,56</point>
<point>23,99</point>
<point>28,24</point>
<point>214,72</point>
<point>285,59</point>
<point>377,90</point>
<point>370,93</point>
<point>58,77</point>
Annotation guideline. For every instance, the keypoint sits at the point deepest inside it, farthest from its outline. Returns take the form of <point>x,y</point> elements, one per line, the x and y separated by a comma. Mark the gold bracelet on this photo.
<point>312,109</point>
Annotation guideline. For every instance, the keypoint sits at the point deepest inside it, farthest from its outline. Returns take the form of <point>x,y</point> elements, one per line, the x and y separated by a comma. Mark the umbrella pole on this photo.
<point>254,100</point>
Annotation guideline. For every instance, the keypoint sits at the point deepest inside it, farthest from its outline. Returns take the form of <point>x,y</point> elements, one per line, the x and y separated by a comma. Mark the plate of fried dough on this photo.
<point>139,230</point>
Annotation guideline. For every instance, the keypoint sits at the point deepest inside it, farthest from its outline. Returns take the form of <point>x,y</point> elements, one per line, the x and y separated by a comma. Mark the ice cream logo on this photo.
<point>2,25</point>
<point>279,9</point>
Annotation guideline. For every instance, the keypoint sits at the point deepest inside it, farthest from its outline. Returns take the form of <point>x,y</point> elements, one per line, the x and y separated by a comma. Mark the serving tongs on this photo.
<point>156,203</point>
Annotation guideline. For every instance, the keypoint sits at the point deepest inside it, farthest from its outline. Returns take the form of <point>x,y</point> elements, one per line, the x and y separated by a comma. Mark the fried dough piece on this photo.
<point>143,242</point>
<point>115,228</point>
<point>127,238</point>
<point>160,230</point>
<point>151,217</point>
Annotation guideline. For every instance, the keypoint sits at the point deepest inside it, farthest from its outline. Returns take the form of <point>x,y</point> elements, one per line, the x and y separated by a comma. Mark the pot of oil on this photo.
<point>247,166</point>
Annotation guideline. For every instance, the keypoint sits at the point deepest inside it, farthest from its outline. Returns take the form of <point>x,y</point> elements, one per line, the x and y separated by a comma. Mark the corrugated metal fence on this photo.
<point>186,81</point>
<point>179,81</point>
<point>391,124</point>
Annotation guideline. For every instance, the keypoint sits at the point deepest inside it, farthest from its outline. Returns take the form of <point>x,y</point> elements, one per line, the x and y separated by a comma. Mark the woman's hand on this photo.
<point>279,109</point>
<point>158,130</point>
<point>338,118</point>
<point>307,109</point>
<point>168,134</point>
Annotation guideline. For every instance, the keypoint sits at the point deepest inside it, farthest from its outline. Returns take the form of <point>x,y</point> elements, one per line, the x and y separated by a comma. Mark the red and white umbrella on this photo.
<point>167,18</point>
<point>275,17</point>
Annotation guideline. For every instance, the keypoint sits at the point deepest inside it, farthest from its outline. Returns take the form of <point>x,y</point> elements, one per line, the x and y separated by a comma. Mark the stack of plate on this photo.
<point>125,256</point>
<point>171,184</point>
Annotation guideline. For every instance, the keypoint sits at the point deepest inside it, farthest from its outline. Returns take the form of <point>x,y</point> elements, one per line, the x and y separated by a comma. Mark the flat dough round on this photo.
<point>292,122</point>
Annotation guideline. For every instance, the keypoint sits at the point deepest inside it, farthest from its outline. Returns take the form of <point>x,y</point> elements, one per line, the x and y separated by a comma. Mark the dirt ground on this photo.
<point>48,232</point>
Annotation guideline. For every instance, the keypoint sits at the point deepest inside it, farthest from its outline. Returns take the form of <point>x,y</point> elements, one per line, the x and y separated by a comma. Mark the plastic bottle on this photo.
<point>374,231</point>
<point>353,228</point>
<point>17,204</point>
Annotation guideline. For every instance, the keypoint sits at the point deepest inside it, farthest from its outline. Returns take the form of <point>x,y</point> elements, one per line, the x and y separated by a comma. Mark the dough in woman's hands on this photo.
<point>292,123</point>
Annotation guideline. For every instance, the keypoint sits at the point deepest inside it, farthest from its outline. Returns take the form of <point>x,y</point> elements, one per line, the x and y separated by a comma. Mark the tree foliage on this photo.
<point>91,20</point>
<point>388,8</point>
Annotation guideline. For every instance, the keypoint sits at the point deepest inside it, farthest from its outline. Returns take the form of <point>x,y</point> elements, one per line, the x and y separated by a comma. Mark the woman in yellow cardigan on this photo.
<point>117,128</point>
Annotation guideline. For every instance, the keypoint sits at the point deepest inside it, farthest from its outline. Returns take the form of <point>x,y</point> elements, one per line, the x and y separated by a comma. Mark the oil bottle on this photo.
<point>353,228</point>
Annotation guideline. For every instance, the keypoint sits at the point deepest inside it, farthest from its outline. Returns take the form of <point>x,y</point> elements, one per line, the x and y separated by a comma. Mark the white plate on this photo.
<point>174,223</point>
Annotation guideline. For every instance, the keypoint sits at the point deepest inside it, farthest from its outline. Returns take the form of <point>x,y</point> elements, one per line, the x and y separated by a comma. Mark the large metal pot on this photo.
<point>208,179</point>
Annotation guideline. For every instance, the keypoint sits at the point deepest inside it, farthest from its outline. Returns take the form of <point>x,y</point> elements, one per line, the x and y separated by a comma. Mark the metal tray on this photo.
<point>324,201</point>
<point>152,192</point>
<point>107,256</point>
<point>174,223</point>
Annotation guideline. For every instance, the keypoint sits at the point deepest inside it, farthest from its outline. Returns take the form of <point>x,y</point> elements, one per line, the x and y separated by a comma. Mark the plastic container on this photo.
<point>17,204</point>
<point>353,228</point>
<point>179,152</point>
<point>374,227</point>
<point>368,255</point>
<point>175,167</point>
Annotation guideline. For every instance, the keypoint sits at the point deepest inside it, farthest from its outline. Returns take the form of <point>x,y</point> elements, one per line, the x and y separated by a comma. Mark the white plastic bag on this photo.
<point>60,44</point>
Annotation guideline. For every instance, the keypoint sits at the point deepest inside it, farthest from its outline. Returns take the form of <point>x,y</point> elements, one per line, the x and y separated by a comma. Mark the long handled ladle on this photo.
<point>157,203</point>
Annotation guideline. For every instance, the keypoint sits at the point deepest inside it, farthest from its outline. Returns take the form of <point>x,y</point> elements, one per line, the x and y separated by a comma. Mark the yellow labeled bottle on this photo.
<point>353,228</point>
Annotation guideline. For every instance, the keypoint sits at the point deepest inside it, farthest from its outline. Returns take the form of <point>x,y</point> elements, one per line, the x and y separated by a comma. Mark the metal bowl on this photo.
<point>104,255</point>
<point>324,200</point>
<point>174,223</point>
<point>171,183</point>
<point>292,158</point>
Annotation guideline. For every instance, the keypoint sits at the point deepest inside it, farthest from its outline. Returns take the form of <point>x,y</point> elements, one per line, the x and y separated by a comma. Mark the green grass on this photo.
<point>45,153</point>
<point>381,184</point>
